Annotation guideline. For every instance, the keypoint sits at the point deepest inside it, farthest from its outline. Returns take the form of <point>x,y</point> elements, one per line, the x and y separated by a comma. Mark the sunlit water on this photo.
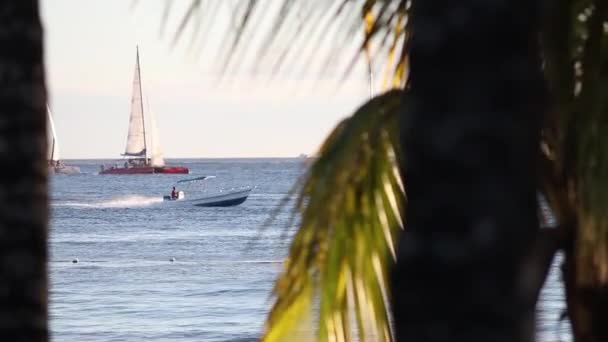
<point>125,286</point>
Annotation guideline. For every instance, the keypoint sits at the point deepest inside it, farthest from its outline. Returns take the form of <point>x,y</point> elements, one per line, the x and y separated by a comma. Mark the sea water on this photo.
<point>148,271</point>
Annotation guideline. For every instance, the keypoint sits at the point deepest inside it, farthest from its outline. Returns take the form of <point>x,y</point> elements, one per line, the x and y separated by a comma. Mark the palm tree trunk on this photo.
<point>471,136</point>
<point>23,198</point>
<point>587,305</point>
<point>585,262</point>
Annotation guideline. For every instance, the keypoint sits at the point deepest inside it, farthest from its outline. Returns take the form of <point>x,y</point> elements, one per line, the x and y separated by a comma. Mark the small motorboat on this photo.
<point>223,198</point>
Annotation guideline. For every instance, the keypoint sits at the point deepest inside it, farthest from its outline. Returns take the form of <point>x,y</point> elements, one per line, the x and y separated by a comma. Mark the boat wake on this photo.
<point>130,201</point>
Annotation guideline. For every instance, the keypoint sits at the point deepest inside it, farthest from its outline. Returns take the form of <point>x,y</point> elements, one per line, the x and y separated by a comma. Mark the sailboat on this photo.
<point>140,158</point>
<point>55,164</point>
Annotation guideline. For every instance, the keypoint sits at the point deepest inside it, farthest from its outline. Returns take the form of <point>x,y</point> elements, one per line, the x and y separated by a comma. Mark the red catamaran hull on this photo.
<point>138,170</point>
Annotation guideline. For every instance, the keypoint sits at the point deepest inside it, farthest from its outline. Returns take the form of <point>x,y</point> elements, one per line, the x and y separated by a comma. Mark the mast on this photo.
<point>143,120</point>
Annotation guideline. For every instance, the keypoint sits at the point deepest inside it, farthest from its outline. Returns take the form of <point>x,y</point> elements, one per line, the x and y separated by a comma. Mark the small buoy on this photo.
<point>172,259</point>
<point>75,261</point>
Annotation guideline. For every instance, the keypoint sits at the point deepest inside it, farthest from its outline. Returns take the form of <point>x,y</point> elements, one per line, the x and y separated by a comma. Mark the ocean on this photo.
<point>147,271</point>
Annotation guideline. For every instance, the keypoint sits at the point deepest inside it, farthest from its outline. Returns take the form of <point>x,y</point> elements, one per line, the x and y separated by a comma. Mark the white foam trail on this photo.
<point>129,201</point>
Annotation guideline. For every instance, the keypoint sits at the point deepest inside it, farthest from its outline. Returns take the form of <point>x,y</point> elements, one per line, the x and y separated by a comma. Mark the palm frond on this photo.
<point>292,32</point>
<point>186,18</point>
<point>350,204</point>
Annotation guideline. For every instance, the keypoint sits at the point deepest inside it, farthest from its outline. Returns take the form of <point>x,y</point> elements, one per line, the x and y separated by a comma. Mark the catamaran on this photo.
<point>55,164</point>
<point>140,159</point>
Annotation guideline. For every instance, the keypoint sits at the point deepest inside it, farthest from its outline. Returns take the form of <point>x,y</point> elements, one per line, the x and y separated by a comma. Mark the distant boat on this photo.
<point>224,198</point>
<point>303,156</point>
<point>55,164</point>
<point>140,160</point>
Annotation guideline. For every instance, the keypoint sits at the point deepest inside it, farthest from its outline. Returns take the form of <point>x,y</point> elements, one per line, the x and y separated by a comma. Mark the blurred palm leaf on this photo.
<point>350,203</point>
<point>292,33</point>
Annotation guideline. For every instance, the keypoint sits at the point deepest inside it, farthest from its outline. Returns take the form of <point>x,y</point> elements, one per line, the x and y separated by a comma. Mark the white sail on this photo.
<point>53,146</point>
<point>156,155</point>
<point>136,139</point>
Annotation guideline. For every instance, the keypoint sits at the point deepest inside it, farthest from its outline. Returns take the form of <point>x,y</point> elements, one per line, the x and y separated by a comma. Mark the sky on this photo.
<point>90,57</point>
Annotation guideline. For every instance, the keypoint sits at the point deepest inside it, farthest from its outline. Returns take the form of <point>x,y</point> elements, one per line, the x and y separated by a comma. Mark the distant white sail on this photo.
<point>53,145</point>
<point>136,139</point>
<point>157,155</point>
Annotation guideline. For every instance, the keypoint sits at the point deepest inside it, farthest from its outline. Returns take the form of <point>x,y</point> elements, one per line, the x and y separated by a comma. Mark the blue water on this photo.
<point>125,287</point>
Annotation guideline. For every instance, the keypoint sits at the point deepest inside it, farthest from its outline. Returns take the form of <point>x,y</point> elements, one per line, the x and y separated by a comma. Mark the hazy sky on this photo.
<point>90,56</point>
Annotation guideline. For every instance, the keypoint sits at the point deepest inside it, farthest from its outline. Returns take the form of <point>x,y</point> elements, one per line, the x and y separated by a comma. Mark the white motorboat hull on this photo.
<point>222,199</point>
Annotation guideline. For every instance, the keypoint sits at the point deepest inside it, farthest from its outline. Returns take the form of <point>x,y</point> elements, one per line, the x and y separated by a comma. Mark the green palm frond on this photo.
<point>350,205</point>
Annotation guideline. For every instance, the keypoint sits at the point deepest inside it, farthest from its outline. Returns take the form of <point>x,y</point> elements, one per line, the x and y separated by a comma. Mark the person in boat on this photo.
<point>173,194</point>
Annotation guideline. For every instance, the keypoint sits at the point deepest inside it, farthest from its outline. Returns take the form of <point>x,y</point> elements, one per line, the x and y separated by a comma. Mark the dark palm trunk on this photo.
<point>587,305</point>
<point>471,136</point>
<point>577,117</point>
<point>23,198</point>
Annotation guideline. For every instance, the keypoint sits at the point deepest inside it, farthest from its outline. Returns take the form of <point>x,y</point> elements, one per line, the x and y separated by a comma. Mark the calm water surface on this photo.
<point>125,288</point>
